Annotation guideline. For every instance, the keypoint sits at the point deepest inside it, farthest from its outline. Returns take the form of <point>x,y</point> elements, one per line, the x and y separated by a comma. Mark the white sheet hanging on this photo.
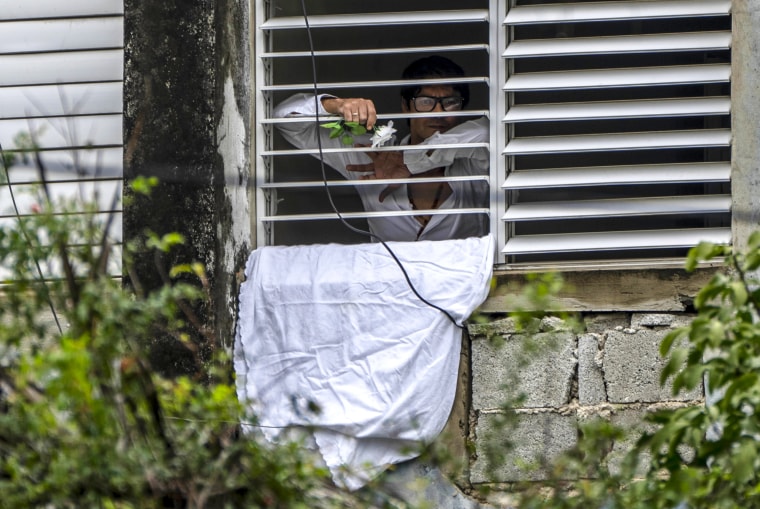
<point>338,326</point>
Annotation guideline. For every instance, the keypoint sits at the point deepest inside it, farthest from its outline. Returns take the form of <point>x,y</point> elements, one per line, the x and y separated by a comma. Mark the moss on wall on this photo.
<point>178,55</point>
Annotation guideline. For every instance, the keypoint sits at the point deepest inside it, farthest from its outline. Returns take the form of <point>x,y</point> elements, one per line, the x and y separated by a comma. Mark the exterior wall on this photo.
<point>745,101</point>
<point>611,371</point>
<point>187,121</point>
<point>187,117</point>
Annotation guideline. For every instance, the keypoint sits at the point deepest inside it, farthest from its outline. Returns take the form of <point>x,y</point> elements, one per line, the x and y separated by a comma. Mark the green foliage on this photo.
<point>84,419</point>
<point>24,147</point>
<point>698,456</point>
<point>345,130</point>
<point>724,351</point>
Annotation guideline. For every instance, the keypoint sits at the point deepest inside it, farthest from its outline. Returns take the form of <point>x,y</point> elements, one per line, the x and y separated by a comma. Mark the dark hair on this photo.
<point>433,67</point>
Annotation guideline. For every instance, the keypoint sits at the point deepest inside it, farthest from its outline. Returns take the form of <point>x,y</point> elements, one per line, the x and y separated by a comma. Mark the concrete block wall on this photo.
<point>555,378</point>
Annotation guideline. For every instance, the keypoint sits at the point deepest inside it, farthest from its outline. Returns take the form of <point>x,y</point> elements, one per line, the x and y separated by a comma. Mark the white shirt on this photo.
<point>457,162</point>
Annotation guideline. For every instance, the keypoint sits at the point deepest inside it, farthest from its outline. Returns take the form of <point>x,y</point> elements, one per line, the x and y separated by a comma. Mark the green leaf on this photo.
<point>675,364</point>
<point>703,251</point>
<point>752,261</point>
<point>689,378</point>
<point>737,390</point>
<point>712,290</point>
<point>166,242</point>
<point>743,460</point>
<point>356,128</point>
<point>738,293</point>
<point>716,332</point>
<point>753,243</point>
<point>143,185</point>
<point>671,337</point>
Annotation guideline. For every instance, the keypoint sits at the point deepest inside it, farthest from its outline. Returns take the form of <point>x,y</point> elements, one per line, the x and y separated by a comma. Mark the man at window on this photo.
<point>424,130</point>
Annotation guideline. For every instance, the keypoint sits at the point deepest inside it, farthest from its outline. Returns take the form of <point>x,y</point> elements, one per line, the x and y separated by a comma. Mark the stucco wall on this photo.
<point>187,117</point>
<point>745,129</point>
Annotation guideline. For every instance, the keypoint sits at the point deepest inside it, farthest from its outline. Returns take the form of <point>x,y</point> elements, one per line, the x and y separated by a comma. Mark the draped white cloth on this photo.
<point>332,336</point>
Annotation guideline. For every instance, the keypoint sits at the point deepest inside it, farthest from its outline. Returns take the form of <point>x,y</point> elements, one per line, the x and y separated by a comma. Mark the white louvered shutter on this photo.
<point>361,49</point>
<point>616,129</point>
<point>61,71</point>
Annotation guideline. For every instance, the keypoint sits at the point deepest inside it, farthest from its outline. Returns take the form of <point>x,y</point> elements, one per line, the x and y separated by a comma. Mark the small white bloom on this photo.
<point>383,134</point>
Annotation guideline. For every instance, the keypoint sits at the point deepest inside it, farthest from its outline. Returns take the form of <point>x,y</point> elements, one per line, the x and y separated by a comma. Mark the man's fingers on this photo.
<point>358,110</point>
<point>369,167</point>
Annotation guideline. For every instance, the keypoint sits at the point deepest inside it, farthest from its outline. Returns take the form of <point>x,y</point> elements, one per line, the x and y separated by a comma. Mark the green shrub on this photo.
<point>699,456</point>
<point>84,419</point>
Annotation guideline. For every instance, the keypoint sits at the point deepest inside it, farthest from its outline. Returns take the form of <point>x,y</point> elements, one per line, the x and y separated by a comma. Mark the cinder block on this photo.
<point>672,321</point>
<point>603,322</point>
<point>541,366</point>
<point>536,439</point>
<point>632,367</point>
<point>632,421</point>
<point>501,326</point>
<point>591,390</point>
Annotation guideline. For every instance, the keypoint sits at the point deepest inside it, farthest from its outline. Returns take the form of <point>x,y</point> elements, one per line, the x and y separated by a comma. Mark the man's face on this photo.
<point>423,128</point>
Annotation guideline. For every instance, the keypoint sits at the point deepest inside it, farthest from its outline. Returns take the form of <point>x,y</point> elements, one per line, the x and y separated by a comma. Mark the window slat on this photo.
<point>619,109</point>
<point>61,35</point>
<point>53,272</point>
<point>619,141</point>
<point>63,132</point>
<point>377,19</point>
<point>372,84</point>
<point>102,190</point>
<point>74,67</point>
<point>611,11</point>
<point>350,52</point>
<point>575,209</point>
<point>618,175</point>
<point>55,100</point>
<point>363,215</point>
<point>373,182</point>
<point>89,160</point>
<point>380,116</point>
<point>651,43</point>
<point>609,241</point>
<point>607,78</point>
<point>40,9</point>
<point>401,148</point>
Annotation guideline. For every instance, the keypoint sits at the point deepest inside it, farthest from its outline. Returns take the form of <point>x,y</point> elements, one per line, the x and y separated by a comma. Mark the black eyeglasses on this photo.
<point>425,103</point>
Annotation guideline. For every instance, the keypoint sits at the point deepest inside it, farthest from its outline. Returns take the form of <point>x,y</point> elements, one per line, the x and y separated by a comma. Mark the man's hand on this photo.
<point>384,165</point>
<point>352,109</point>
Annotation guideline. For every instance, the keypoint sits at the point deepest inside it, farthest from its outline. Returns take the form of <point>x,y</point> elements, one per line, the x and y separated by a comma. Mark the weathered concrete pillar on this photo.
<point>186,121</point>
<point>745,109</point>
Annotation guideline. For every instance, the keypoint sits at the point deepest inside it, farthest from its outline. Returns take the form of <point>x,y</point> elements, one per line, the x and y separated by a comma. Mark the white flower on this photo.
<point>383,134</point>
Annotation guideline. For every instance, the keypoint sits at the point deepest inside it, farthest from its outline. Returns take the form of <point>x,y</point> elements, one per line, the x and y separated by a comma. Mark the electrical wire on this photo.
<point>327,187</point>
<point>42,281</point>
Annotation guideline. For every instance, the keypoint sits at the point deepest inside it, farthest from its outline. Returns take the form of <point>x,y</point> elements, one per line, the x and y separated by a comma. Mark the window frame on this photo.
<point>499,35</point>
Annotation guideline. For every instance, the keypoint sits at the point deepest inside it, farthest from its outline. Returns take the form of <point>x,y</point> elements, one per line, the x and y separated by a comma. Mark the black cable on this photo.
<point>327,187</point>
<point>29,241</point>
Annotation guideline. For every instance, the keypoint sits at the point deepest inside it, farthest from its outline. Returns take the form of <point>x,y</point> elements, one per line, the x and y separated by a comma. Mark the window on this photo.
<point>61,80</point>
<point>610,121</point>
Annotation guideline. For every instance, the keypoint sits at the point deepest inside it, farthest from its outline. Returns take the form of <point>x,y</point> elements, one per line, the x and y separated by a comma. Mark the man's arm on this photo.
<point>351,109</point>
<point>309,135</point>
